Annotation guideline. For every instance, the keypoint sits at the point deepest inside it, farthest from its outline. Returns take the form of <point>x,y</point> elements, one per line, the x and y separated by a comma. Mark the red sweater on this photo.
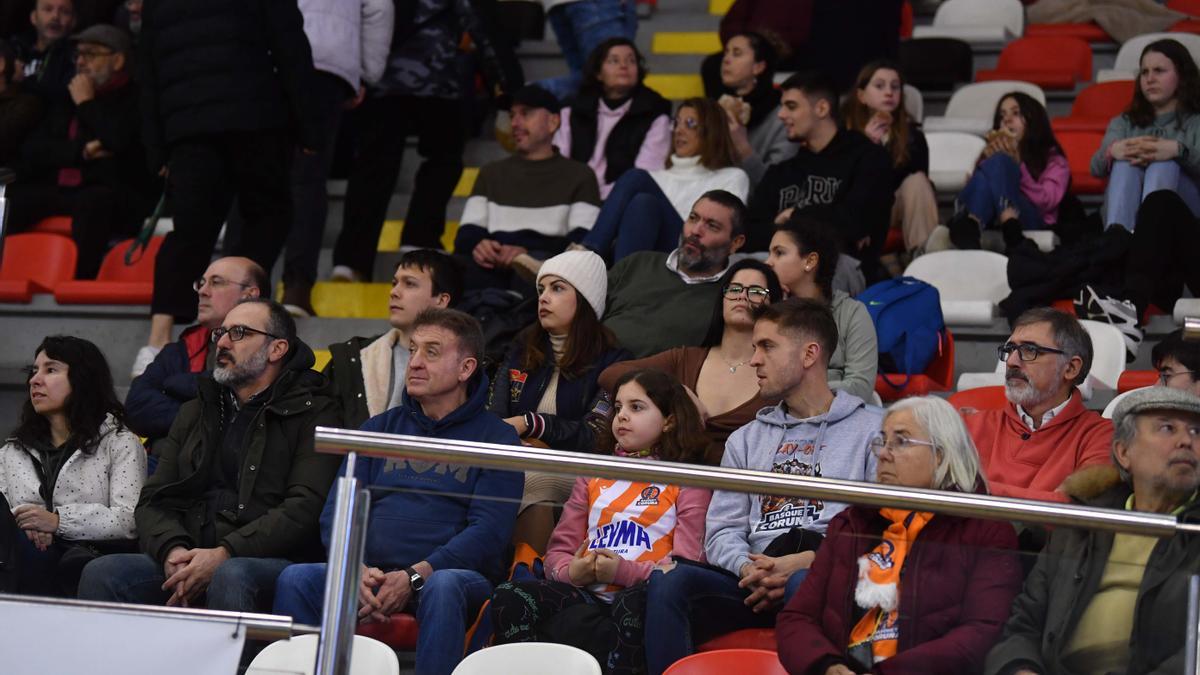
<point>1019,462</point>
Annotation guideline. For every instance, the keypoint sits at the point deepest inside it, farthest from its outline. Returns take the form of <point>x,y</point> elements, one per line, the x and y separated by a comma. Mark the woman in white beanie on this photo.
<point>547,387</point>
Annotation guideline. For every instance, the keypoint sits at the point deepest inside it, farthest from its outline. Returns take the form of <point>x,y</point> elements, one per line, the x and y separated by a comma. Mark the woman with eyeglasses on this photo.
<point>70,473</point>
<point>646,209</point>
<point>716,372</point>
<point>804,253</point>
<point>615,123</point>
<point>900,591</point>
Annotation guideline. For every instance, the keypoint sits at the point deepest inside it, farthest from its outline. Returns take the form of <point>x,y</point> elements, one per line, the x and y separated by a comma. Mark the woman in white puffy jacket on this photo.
<point>70,474</point>
<point>646,209</point>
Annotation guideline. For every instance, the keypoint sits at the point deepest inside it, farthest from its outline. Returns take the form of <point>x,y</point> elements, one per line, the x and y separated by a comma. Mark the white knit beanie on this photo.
<point>585,271</point>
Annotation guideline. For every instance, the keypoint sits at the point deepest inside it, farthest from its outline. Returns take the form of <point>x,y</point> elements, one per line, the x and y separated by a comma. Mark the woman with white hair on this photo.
<point>901,591</point>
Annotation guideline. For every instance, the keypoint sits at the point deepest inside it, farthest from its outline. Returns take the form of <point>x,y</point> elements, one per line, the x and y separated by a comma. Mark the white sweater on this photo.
<point>687,179</point>
<point>95,493</point>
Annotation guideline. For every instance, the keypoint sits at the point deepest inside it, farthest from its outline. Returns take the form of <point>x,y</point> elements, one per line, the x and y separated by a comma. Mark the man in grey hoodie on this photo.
<point>759,547</point>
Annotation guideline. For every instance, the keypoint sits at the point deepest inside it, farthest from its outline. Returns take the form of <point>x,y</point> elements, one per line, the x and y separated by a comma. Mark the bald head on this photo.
<point>225,282</point>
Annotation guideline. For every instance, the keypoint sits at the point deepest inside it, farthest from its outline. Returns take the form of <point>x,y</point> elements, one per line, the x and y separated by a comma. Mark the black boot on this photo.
<point>964,231</point>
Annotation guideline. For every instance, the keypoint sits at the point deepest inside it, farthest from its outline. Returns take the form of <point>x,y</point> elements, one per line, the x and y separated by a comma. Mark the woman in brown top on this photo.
<point>717,372</point>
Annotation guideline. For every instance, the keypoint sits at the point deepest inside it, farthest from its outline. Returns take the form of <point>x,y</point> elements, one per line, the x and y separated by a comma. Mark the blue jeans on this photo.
<point>693,604</point>
<point>637,216</point>
<point>446,607</point>
<point>238,585</point>
<point>580,27</point>
<point>1128,185</point>
<point>997,181</point>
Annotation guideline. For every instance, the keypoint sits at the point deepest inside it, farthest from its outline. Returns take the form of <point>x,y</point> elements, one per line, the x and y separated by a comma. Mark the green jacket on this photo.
<point>282,483</point>
<point>1066,577</point>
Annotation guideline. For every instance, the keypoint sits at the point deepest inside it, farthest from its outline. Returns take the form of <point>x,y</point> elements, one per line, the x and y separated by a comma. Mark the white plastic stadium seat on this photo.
<point>970,283</point>
<point>529,658</point>
<point>1185,307</point>
<point>976,21</point>
<point>1108,353</point>
<point>972,106</point>
<point>914,103</point>
<point>1112,405</point>
<point>1130,55</point>
<point>952,158</point>
<point>975,380</point>
<point>299,655</point>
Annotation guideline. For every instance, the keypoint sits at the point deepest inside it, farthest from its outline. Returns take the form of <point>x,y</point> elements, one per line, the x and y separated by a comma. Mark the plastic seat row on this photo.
<point>41,262</point>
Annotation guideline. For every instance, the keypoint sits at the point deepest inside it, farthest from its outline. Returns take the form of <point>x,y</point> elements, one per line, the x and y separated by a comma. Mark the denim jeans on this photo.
<point>445,608</point>
<point>238,585</point>
<point>997,180</point>
<point>637,216</point>
<point>581,26</point>
<point>691,604</point>
<point>1128,185</point>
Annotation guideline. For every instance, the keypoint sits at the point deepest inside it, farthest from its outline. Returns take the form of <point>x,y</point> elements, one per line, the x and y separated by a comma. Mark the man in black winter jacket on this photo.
<point>835,167</point>
<point>224,108</point>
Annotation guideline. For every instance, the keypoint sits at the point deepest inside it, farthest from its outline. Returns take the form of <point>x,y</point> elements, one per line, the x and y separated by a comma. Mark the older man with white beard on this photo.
<point>1044,433</point>
<point>239,487</point>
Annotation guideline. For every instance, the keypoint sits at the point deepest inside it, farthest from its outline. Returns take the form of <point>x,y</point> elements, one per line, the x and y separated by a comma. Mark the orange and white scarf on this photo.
<point>878,588</point>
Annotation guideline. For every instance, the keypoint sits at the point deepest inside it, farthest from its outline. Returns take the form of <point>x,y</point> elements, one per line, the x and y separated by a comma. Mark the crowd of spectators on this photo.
<point>688,279</point>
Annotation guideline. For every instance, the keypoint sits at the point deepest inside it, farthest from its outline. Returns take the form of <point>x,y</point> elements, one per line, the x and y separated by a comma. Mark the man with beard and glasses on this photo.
<point>239,487</point>
<point>657,301</point>
<point>1044,433</point>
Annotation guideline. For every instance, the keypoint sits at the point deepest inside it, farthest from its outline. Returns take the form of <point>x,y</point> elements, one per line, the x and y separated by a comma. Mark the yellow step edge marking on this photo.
<point>719,7</point>
<point>323,357</point>
<point>389,236</point>
<point>466,182</point>
<point>341,300</point>
<point>668,42</point>
<point>676,87</point>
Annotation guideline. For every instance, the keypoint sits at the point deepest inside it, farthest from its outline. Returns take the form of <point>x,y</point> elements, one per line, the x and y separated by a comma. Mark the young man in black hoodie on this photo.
<point>834,166</point>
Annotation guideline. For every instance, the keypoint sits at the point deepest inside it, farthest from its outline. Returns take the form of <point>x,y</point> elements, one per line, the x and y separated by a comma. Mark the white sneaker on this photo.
<point>144,358</point>
<point>1122,314</point>
<point>343,273</point>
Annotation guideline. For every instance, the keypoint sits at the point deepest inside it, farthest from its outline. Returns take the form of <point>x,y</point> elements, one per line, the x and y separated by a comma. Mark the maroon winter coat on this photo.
<point>956,590</point>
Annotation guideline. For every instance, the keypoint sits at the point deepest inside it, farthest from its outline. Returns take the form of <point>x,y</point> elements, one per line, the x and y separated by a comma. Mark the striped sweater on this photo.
<point>538,204</point>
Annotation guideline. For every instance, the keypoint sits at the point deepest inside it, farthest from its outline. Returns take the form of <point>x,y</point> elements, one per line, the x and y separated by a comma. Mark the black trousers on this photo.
<point>206,174</point>
<point>98,214</point>
<point>384,124</point>
<point>1162,253</point>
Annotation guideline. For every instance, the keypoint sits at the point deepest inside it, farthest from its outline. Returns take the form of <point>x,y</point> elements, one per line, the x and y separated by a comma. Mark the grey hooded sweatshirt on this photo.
<point>833,445</point>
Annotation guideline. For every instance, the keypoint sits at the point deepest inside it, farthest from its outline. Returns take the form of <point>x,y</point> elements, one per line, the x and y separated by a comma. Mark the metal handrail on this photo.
<point>258,626</point>
<point>519,458</point>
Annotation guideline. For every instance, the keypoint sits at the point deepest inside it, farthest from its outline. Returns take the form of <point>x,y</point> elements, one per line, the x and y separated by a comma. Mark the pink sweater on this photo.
<point>651,157</point>
<point>571,532</point>
<point>1047,191</point>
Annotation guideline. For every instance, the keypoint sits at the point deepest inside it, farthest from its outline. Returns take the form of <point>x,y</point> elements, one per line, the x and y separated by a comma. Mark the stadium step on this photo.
<point>676,87</point>
<point>389,236</point>
<point>342,300</point>
<point>701,43</point>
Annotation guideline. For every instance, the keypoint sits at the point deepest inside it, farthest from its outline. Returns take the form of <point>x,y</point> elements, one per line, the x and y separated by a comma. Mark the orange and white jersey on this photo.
<point>634,520</point>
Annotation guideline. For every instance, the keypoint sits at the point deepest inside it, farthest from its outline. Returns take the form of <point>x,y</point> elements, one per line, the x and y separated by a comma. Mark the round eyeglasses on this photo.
<point>757,295</point>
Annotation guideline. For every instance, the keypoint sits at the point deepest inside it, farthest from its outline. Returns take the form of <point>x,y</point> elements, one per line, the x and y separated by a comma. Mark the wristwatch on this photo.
<point>415,580</point>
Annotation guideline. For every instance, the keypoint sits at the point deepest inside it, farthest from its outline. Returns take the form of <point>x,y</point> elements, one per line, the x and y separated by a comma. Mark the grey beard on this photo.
<point>241,374</point>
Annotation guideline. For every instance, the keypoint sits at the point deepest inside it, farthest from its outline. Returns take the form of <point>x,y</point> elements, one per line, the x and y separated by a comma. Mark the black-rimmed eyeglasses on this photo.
<point>757,295</point>
<point>1026,351</point>
<point>238,332</point>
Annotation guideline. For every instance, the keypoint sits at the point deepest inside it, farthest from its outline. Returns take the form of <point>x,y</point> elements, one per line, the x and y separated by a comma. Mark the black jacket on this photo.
<point>852,175</point>
<point>223,65</point>
<point>625,140</point>
<point>282,480</point>
<point>582,403</point>
<point>345,381</point>
<point>47,73</point>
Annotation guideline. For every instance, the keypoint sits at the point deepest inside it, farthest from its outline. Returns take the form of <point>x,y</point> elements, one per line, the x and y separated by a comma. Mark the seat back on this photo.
<point>1007,13</point>
<point>1040,53</point>
<point>1103,100</point>
<point>299,655</point>
<point>1186,6</point>
<point>970,283</point>
<point>1112,405</point>
<point>979,100</point>
<point>1129,56</point>
<point>44,259</point>
<point>914,103</point>
<point>1079,147</point>
<point>1108,353</point>
<point>979,398</point>
<point>722,661</point>
<point>952,157</point>
<point>114,268</point>
<point>936,63</point>
<point>529,658</point>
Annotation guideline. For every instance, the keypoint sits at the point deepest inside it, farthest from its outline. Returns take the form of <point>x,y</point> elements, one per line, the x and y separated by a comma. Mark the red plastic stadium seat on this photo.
<point>979,398</point>
<point>1095,106</point>
<point>1090,31</point>
<point>1186,6</point>
<point>906,20</point>
<point>34,262</point>
<point>1080,146</point>
<point>895,240</point>
<point>1136,379</point>
<point>939,376</point>
<point>400,633</point>
<point>1186,26</point>
<point>756,661</point>
<point>748,638</point>
<point>54,225</point>
<point>1049,62</point>
<point>117,283</point>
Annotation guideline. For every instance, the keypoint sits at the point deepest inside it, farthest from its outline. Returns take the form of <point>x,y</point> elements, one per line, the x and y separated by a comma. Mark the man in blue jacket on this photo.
<point>437,533</point>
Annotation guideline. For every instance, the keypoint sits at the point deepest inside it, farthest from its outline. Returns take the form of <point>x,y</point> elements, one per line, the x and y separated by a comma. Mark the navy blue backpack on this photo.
<point>908,323</point>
